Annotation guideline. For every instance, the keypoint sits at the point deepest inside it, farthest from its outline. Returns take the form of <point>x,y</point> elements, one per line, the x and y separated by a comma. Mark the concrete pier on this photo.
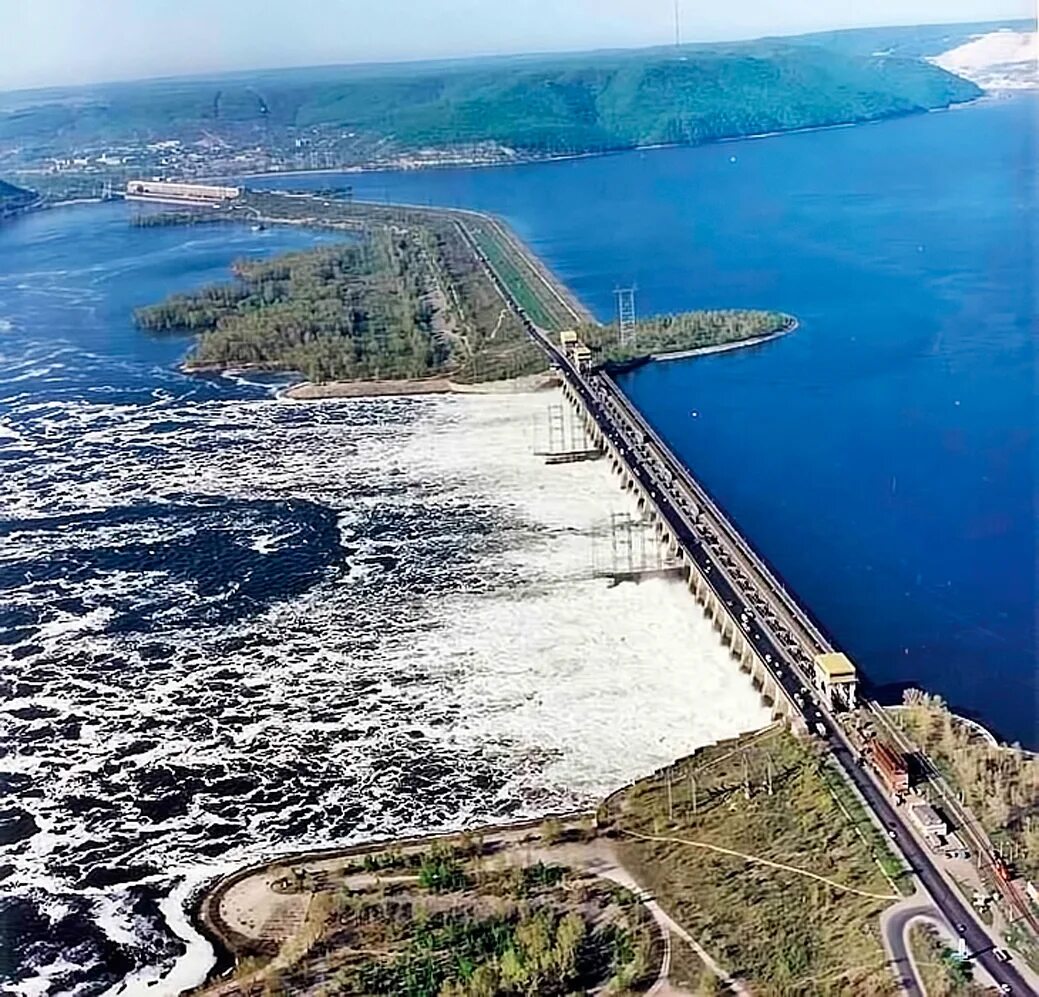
<point>731,632</point>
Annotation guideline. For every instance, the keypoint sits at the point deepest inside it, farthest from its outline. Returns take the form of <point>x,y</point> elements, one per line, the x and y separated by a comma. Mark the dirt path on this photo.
<point>758,860</point>
<point>256,908</point>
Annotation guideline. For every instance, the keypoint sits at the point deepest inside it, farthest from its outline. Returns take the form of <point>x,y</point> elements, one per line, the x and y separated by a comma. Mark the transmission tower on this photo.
<point>626,315</point>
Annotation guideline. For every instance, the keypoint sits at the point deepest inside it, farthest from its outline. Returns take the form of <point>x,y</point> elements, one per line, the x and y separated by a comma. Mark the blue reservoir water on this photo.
<point>883,457</point>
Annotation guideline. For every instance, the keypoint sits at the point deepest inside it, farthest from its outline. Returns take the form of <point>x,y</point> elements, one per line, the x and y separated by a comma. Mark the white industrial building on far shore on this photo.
<point>180,193</point>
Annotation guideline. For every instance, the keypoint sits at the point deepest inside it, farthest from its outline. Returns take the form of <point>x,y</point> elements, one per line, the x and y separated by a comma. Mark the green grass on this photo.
<point>940,971</point>
<point>527,287</point>
<point>1023,942</point>
<point>893,867</point>
<point>781,931</point>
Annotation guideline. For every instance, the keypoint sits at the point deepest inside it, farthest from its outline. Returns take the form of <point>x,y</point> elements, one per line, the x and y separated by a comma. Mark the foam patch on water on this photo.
<point>232,629</point>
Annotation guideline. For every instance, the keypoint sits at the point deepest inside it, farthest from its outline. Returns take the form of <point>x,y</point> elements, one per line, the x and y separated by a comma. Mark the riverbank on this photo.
<point>473,283</point>
<point>308,391</point>
<point>714,873</point>
<point>525,159</point>
<point>703,351</point>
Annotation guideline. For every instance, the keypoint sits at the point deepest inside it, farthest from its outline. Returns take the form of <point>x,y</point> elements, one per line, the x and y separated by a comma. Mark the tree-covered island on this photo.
<point>407,295</point>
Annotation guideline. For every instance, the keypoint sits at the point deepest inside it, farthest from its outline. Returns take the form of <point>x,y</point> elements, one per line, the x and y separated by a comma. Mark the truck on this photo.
<point>891,765</point>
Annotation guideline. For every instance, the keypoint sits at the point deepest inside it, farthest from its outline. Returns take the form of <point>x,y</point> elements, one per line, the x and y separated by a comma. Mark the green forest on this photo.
<point>404,296</point>
<point>355,310</point>
<point>684,331</point>
<point>535,105</point>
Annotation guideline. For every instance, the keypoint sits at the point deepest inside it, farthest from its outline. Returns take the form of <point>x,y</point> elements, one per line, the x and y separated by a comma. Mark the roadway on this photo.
<point>895,929</point>
<point>658,473</point>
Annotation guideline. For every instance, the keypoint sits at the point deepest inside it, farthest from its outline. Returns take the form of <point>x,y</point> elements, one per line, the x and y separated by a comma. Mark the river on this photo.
<point>883,457</point>
<point>232,625</point>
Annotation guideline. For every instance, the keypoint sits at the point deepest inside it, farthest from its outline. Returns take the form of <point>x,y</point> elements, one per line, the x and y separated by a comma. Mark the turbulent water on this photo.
<point>232,625</point>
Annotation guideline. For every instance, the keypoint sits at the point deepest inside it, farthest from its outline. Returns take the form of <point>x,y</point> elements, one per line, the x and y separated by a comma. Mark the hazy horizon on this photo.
<point>117,41</point>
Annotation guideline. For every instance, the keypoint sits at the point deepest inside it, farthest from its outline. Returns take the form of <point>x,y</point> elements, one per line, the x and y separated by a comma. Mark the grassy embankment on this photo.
<point>941,973</point>
<point>783,931</point>
<point>1000,784</point>
<point>407,297</point>
<point>782,886</point>
<point>540,297</point>
<point>547,305</point>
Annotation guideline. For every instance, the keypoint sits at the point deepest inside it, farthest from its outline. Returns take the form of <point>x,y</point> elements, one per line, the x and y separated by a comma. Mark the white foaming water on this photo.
<point>446,659</point>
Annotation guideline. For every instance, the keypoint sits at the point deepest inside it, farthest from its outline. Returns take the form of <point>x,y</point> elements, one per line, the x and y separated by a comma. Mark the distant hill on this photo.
<point>535,105</point>
<point>614,102</point>
<point>914,42</point>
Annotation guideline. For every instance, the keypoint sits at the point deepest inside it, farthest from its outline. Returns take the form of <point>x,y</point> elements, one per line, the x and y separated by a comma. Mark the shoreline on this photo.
<point>525,383</point>
<point>204,916</point>
<point>442,383</point>
<point>310,391</point>
<point>528,160</point>
<point>738,344</point>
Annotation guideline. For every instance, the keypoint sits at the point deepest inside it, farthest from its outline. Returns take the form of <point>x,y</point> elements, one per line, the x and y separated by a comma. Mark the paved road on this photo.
<point>612,413</point>
<point>894,931</point>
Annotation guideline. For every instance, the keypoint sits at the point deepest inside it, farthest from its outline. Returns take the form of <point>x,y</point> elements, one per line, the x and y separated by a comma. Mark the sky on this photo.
<point>44,42</point>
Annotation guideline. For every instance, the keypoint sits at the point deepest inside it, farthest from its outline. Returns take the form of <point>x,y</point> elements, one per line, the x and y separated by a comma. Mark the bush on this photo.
<point>440,871</point>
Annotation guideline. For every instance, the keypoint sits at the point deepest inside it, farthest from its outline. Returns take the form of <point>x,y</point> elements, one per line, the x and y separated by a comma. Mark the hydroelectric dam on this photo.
<point>798,670</point>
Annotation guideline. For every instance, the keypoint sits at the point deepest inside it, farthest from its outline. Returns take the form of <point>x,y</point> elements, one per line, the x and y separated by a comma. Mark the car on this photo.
<point>1001,954</point>
<point>892,835</point>
<point>961,929</point>
<point>1004,988</point>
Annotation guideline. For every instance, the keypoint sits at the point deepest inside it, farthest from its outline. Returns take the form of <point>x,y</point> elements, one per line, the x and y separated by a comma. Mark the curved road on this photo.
<point>895,929</point>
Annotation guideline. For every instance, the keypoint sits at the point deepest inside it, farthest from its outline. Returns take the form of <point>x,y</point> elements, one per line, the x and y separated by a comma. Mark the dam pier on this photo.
<point>792,665</point>
<point>799,672</point>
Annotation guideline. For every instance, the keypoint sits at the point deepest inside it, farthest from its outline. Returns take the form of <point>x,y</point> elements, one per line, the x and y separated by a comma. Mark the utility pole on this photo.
<point>670,800</point>
<point>692,790</point>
